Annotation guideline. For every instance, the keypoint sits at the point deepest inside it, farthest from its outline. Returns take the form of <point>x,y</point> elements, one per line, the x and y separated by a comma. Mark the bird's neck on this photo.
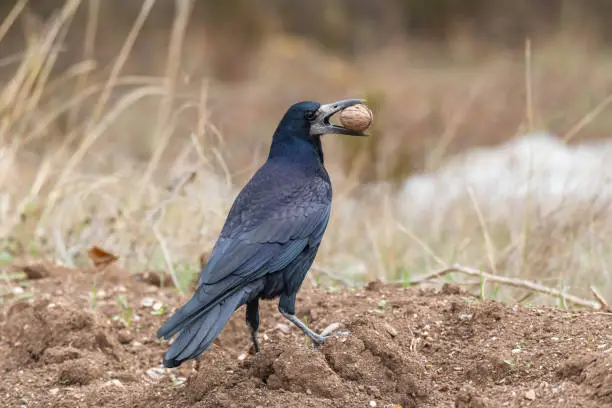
<point>316,142</point>
<point>302,150</point>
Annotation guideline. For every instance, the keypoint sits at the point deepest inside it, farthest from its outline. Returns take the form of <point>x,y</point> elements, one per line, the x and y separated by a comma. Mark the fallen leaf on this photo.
<point>100,257</point>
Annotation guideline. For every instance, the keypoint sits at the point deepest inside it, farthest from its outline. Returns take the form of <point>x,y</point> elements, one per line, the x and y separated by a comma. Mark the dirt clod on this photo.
<point>81,371</point>
<point>301,369</point>
<point>57,355</point>
<point>468,397</point>
<point>36,271</point>
<point>125,336</point>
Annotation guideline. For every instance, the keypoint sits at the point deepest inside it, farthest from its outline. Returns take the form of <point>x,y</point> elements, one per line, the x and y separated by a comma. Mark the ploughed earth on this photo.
<point>87,339</point>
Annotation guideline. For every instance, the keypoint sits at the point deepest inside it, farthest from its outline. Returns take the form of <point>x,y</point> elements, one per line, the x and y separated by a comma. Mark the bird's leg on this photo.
<point>286,307</point>
<point>252,321</point>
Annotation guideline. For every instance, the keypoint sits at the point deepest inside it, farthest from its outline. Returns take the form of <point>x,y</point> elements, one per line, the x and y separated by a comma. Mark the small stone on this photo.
<point>53,391</point>
<point>391,330</point>
<point>283,328</point>
<point>177,381</point>
<point>147,302</point>
<point>114,383</point>
<point>156,373</point>
<point>157,306</point>
<point>18,290</point>
<point>530,395</point>
<point>308,391</point>
<point>372,403</point>
<point>242,356</point>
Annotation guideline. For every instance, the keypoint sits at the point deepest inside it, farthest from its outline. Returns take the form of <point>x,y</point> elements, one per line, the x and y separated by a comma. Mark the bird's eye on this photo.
<point>310,115</point>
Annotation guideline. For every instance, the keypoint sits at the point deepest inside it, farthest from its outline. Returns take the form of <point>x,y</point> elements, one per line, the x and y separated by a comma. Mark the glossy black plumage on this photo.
<point>268,243</point>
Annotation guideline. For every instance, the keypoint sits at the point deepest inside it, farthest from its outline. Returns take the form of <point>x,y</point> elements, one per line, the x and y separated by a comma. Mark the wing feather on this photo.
<point>268,227</point>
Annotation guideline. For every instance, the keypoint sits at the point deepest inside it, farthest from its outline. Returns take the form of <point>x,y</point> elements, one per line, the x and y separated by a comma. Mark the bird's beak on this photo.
<point>321,124</point>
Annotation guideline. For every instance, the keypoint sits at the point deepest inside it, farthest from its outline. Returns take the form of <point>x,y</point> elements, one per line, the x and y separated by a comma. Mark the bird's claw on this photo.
<point>319,339</point>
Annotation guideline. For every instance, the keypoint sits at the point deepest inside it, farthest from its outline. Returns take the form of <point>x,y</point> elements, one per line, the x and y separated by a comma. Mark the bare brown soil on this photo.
<point>407,347</point>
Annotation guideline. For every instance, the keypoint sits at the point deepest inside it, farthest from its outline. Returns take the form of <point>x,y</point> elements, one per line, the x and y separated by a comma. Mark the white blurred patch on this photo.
<point>537,168</point>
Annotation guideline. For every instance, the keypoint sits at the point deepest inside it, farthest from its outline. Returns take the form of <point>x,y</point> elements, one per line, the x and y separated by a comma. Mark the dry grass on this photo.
<point>64,189</point>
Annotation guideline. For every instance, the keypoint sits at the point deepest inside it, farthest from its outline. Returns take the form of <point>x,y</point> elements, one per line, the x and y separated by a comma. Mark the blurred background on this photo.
<point>132,125</point>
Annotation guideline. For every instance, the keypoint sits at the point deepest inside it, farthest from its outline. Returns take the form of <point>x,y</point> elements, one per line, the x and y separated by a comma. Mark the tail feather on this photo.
<point>195,335</point>
<point>201,330</point>
<point>203,300</point>
<point>183,317</point>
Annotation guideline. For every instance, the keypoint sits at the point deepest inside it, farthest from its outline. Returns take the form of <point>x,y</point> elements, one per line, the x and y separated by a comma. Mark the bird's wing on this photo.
<point>268,226</point>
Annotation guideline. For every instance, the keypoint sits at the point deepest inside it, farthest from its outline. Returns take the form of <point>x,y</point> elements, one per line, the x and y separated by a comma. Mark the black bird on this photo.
<point>270,237</point>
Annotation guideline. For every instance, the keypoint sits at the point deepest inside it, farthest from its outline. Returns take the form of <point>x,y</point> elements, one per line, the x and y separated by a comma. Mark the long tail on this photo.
<point>199,330</point>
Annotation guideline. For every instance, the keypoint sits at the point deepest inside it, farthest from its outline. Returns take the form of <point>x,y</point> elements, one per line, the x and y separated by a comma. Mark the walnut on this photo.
<point>357,117</point>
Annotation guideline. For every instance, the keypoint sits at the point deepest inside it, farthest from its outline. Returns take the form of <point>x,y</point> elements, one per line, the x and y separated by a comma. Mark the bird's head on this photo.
<point>305,122</point>
<point>308,119</point>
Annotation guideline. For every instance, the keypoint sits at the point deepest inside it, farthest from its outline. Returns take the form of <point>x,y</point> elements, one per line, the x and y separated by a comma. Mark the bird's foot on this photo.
<point>319,339</point>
